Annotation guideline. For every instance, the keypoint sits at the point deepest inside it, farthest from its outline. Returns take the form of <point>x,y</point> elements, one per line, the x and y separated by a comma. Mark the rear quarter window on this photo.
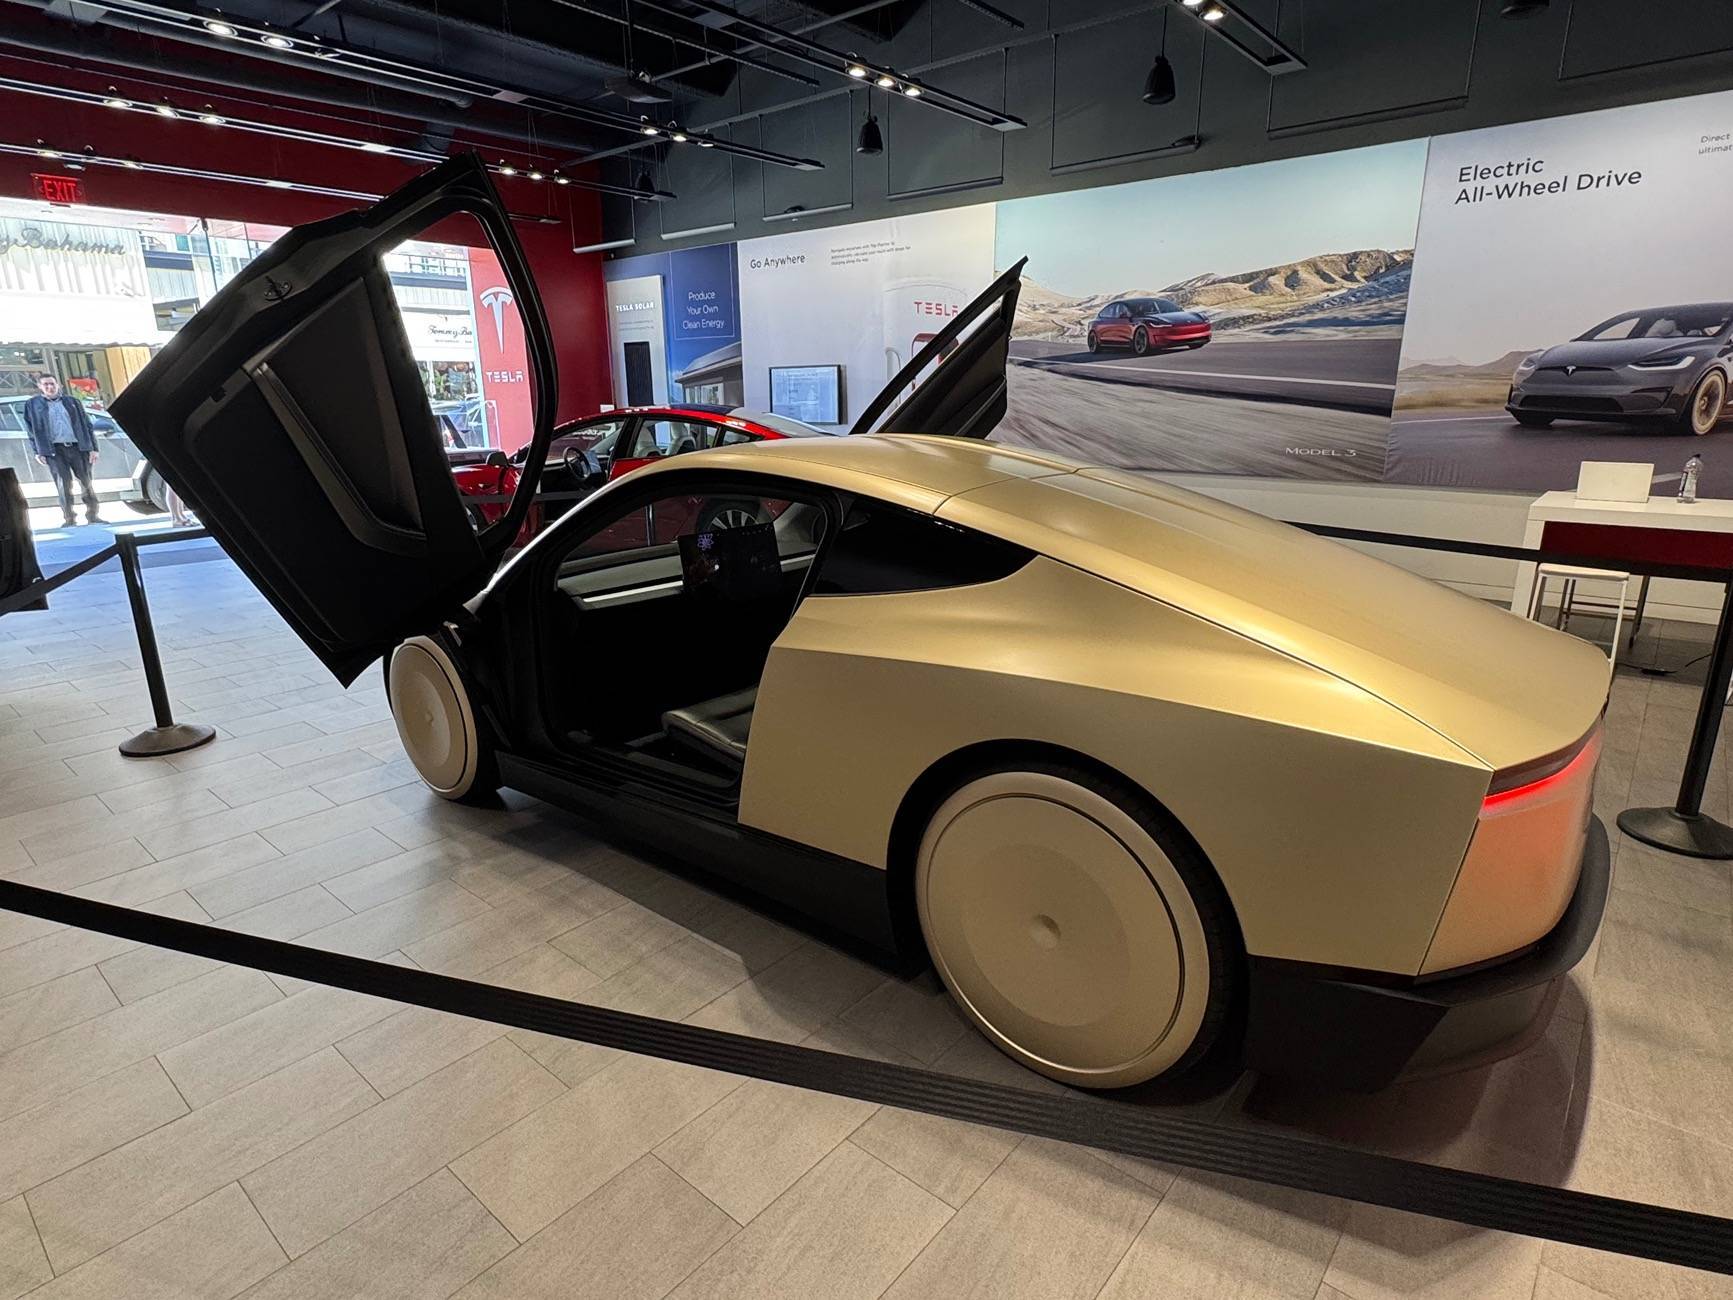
<point>884,548</point>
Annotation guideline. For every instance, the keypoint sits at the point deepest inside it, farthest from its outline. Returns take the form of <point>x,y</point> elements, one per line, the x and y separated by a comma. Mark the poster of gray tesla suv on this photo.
<point>1668,365</point>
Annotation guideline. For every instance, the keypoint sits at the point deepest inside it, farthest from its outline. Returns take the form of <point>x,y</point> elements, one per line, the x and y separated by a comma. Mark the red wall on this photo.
<point>570,284</point>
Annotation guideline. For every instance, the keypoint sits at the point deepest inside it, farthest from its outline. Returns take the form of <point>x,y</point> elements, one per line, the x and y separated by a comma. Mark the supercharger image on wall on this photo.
<point>862,299</point>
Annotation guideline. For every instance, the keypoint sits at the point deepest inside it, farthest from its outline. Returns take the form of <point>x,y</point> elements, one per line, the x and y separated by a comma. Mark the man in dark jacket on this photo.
<point>61,436</point>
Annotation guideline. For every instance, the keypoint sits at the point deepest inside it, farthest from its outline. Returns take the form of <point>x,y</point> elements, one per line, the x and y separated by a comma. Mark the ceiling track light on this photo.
<point>114,99</point>
<point>536,176</point>
<point>1523,8</point>
<point>390,72</point>
<point>1245,34</point>
<point>506,169</point>
<point>164,109</point>
<point>210,116</point>
<point>647,127</point>
<point>857,70</point>
<point>217,27</point>
<point>912,90</point>
<point>44,150</point>
<point>884,81</point>
<point>676,134</point>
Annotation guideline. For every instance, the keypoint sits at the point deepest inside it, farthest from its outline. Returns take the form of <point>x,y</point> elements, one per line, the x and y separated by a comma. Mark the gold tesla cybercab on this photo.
<point>1140,773</point>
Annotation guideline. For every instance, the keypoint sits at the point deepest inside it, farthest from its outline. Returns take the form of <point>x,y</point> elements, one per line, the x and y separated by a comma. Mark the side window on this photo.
<point>11,417</point>
<point>671,437</point>
<point>885,548</point>
<point>734,437</point>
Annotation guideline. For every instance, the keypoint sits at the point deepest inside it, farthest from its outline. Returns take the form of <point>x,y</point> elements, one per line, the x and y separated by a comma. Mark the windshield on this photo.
<point>1665,323</point>
<point>1153,306</point>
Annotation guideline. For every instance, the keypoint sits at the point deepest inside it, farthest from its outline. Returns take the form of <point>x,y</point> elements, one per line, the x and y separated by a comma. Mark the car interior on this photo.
<point>676,602</point>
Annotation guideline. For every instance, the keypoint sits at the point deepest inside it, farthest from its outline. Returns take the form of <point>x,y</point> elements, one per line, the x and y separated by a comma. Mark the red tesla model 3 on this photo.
<point>1146,324</point>
<point>599,449</point>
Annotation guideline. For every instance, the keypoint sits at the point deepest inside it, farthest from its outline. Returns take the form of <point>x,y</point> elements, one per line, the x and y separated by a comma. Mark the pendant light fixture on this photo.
<point>872,140</point>
<point>1158,86</point>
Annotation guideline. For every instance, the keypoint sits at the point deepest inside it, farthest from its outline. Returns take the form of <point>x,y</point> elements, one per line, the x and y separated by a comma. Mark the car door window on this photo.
<point>884,548</point>
<point>732,437</point>
<point>671,438</point>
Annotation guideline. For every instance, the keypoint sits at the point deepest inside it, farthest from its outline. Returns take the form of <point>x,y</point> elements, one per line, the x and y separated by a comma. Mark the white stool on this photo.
<point>1570,575</point>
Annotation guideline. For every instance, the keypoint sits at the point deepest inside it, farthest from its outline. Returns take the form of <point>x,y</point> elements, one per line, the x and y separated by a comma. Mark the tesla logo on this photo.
<point>496,300</point>
<point>1570,370</point>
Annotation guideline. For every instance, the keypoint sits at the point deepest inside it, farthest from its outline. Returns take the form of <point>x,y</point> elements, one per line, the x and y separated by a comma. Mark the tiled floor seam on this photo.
<point>952,1211</point>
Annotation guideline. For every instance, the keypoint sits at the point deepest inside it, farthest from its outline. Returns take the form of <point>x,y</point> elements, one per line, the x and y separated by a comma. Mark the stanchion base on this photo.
<point>173,740</point>
<point>1666,828</point>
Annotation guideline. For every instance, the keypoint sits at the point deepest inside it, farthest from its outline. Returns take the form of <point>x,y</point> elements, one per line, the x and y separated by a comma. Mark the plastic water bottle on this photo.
<point>1688,480</point>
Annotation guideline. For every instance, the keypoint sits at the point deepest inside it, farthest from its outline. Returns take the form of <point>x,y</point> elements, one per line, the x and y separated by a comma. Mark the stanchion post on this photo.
<point>167,736</point>
<point>1683,828</point>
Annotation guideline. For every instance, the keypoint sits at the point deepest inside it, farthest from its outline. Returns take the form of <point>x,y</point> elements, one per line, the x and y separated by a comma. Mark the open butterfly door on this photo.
<point>956,384</point>
<point>292,413</point>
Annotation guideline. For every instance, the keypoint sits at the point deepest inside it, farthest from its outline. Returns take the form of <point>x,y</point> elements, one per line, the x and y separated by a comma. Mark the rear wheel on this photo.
<point>1076,925</point>
<point>1140,341</point>
<point>1708,403</point>
<point>1529,421</point>
<point>437,723</point>
<point>153,494</point>
<point>1094,341</point>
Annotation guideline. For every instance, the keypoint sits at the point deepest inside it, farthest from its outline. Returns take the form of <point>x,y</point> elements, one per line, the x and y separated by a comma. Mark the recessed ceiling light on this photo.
<point>210,117</point>
<point>166,109</point>
<point>912,90</point>
<point>373,146</point>
<point>278,183</point>
<point>218,28</point>
<point>857,71</point>
<point>277,42</point>
<point>885,81</point>
<point>1214,14</point>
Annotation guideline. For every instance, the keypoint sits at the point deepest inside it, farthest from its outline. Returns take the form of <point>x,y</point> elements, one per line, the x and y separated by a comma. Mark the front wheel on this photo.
<point>1076,925</point>
<point>1094,341</point>
<point>1708,404</point>
<point>437,723</point>
<point>1140,341</point>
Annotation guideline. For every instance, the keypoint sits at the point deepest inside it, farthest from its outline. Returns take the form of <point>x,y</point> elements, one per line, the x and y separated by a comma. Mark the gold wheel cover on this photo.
<point>1062,929</point>
<point>433,717</point>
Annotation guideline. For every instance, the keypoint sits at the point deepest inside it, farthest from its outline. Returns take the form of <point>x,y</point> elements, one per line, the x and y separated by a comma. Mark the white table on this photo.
<point>1659,530</point>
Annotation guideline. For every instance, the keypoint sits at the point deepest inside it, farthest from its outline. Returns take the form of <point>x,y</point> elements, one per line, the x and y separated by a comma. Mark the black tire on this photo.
<point>1529,421</point>
<point>1224,948</point>
<point>1094,341</point>
<point>1707,406</point>
<point>1140,342</point>
<point>154,498</point>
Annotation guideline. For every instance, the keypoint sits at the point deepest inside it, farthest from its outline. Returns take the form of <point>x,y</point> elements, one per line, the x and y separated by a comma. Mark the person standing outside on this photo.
<point>63,439</point>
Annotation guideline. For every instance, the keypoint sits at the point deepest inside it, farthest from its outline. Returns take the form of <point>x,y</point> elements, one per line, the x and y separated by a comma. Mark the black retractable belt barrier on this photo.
<point>167,736</point>
<point>1481,1200</point>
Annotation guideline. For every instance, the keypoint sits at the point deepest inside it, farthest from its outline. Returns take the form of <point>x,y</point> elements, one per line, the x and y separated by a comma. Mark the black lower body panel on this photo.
<point>1360,1035</point>
<point>840,894</point>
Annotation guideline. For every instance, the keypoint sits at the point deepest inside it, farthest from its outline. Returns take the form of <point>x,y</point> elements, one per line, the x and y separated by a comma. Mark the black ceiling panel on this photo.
<point>1607,35</point>
<point>931,152</point>
<point>1098,78</point>
<point>824,131</point>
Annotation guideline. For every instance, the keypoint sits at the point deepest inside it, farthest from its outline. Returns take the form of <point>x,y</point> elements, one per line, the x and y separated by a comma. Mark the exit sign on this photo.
<point>58,189</point>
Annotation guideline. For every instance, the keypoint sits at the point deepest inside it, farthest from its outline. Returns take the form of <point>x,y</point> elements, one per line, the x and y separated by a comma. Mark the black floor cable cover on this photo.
<point>1481,1200</point>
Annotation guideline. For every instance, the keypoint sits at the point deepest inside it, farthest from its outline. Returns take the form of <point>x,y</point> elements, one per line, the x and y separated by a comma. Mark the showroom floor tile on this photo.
<point>169,1127</point>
